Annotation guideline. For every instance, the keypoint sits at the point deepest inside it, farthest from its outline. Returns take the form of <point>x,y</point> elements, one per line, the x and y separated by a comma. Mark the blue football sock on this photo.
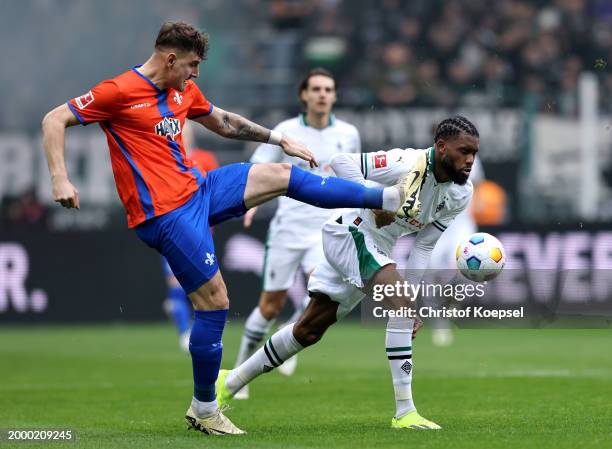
<point>206,351</point>
<point>180,306</point>
<point>331,192</point>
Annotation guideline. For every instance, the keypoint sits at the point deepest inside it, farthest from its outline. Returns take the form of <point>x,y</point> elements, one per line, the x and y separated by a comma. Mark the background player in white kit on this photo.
<point>294,237</point>
<point>357,245</point>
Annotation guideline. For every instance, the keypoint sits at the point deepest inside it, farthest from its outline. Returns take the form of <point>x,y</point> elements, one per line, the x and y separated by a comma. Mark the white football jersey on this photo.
<point>441,202</point>
<point>295,224</point>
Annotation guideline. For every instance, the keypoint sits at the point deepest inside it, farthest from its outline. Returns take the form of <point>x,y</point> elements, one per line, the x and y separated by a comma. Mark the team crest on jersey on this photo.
<point>178,98</point>
<point>169,127</point>
<point>380,161</point>
<point>84,100</point>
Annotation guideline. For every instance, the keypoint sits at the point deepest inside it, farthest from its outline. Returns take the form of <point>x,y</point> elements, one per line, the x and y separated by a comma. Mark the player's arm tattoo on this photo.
<point>237,127</point>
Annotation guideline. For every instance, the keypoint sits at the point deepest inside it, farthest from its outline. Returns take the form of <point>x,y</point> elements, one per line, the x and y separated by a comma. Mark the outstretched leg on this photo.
<point>267,181</point>
<point>291,339</point>
<point>259,322</point>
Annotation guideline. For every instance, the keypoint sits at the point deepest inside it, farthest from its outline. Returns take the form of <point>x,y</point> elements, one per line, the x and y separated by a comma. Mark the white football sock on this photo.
<point>277,349</point>
<point>204,409</point>
<point>398,342</point>
<point>391,199</point>
<point>255,329</point>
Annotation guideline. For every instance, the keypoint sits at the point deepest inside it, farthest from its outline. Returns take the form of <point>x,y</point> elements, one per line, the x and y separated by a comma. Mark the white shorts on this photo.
<point>353,256</point>
<point>281,265</point>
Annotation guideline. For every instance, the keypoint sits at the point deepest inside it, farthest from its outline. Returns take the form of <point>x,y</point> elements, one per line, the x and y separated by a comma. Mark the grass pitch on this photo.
<point>129,386</point>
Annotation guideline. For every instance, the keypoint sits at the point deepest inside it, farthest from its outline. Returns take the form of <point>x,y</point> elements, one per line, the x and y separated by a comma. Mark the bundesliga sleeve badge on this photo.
<point>84,100</point>
<point>380,161</point>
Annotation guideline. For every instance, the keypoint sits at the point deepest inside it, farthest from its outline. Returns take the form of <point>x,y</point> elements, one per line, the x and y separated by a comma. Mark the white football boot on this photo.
<point>217,424</point>
<point>288,368</point>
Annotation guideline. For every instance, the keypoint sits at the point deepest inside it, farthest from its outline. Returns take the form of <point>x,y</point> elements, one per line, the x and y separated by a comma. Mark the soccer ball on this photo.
<point>481,257</point>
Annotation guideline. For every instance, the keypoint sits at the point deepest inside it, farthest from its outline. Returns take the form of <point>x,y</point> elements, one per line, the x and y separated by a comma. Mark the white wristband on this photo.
<point>275,138</point>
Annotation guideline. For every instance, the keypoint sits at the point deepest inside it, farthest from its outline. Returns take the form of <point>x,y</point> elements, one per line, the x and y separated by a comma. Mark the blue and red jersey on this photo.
<point>143,127</point>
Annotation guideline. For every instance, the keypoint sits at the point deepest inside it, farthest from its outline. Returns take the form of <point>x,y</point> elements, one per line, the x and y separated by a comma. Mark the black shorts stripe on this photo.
<point>400,357</point>
<point>274,364</point>
<point>280,361</point>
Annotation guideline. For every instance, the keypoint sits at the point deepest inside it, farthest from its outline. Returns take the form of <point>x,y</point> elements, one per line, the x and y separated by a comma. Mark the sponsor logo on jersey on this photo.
<point>84,100</point>
<point>441,206</point>
<point>140,105</point>
<point>357,221</point>
<point>169,127</point>
<point>178,98</point>
<point>380,160</point>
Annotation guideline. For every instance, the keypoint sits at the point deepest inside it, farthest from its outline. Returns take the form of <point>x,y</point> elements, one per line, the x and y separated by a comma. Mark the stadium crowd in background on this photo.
<point>469,53</point>
<point>384,53</point>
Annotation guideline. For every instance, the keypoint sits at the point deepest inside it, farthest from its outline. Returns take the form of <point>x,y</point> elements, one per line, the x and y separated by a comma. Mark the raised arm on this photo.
<point>234,126</point>
<point>53,129</point>
<point>347,166</point>
<point>384,167</point>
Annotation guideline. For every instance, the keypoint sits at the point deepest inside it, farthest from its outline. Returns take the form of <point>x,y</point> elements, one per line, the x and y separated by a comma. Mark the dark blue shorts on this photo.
<point>183,236</point>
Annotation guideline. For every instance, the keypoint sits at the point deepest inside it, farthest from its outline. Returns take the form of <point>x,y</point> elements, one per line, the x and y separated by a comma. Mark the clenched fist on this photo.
<point>65,193</point>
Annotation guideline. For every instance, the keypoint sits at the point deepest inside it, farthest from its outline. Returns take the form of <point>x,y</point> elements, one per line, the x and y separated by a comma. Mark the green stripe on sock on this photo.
<point>368,265</point>
<point>280,361</point>
<point>403,348</point>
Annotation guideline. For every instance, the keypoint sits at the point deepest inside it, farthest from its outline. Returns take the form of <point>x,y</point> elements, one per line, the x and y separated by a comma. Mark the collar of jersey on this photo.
<point>146,78</point>
<point>332,120</point>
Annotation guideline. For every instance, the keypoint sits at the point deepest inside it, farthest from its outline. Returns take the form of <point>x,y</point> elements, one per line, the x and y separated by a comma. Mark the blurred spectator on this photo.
<point>289,14</point>
<point>394,83</point>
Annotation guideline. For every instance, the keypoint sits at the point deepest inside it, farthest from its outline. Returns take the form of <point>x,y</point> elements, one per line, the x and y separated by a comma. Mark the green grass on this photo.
<point>128,386</point>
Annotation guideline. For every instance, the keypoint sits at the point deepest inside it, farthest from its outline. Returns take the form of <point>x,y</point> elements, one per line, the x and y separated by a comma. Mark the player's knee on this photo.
<point>271,304</point>
<point>269,310</point>
<point>218,302</point>
<point>211,296</point>
<point>307,336</point>
<point>282,173</point>
<point>285,167</point>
